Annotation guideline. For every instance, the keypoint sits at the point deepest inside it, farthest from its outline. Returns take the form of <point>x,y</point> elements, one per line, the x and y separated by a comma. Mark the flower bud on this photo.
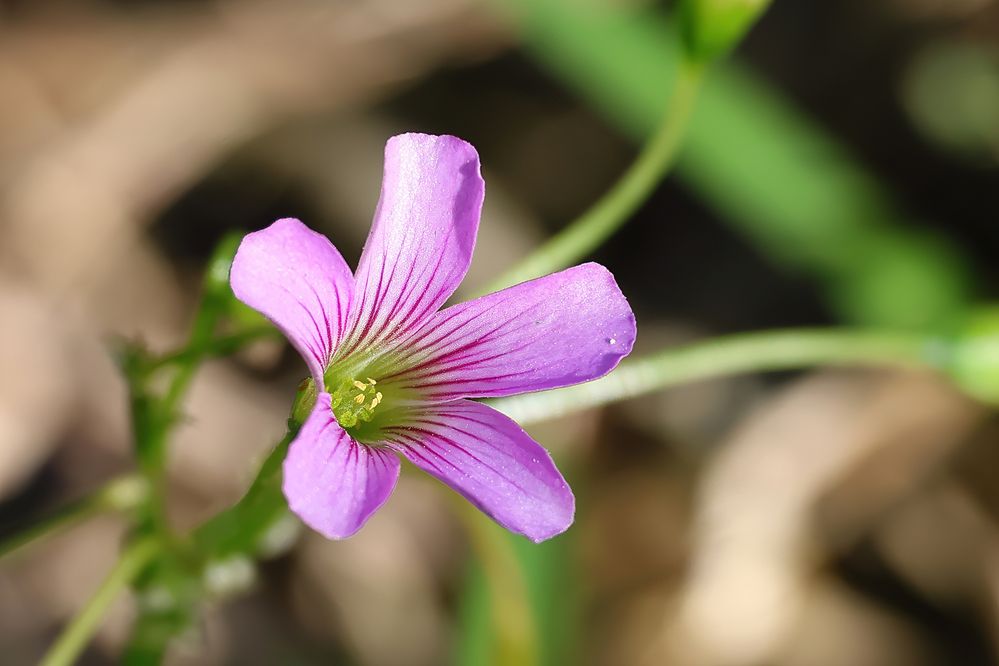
<point>712,27</point>
<point>217,272</point>
<point>974,363</point>
<point>305,400</point>
<point>218,293</point>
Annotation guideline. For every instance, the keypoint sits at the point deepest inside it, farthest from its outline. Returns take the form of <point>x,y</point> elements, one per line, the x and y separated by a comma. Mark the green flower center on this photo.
<point>363,405</point>
<point>356,401</point>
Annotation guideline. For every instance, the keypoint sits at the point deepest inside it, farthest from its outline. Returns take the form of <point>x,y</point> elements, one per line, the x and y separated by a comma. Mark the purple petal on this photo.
<point>493,463</point>
<point>422,237</point>
<point>331,482</point>
<point>558,330</point>
<point>297,279</point>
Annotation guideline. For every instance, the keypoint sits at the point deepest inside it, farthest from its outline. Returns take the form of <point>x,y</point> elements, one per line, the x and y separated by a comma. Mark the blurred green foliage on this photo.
<point>777,178</point>
<point>771,173</point>
<point>549,573</point>
<point>974,364</point>
<point>767,170</point>
<point>951,92</point>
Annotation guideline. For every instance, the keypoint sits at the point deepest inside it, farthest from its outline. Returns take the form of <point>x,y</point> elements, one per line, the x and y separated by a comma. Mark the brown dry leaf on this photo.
<point>755,549</point>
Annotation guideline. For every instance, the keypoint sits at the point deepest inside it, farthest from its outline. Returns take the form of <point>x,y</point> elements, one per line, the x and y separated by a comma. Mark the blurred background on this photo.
<point>842,168</point>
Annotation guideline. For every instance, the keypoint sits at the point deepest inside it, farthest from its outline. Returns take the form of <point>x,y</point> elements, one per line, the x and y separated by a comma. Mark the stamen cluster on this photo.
<point>349,402</point>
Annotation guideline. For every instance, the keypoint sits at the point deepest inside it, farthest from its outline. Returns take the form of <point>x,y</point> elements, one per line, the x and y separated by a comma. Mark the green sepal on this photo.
<point>216,280</point>
<point>305,400</point>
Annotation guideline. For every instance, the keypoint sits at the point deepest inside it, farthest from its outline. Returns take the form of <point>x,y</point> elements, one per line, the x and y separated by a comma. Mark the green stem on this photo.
<point>617,205</point>
<point>219,346</point>
<point>75,636</point>
<point>195,350</point>
<point>154,417</point>
<point>240,531</point>
<point>122,494</point>
<point>240,528</point>
<point>750,352</point>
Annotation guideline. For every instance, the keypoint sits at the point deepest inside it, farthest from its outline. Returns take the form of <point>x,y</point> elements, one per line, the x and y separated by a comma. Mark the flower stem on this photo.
<point>241,527</point>
<point>617,205</point>
<point>154,414</point>
<point>749,352</point>
<point>163,414</point>
<point>77,633</point>
<point>218,346</point>
<point>122,494</point>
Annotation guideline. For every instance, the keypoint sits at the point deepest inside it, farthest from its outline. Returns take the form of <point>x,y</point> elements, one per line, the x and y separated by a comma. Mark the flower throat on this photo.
<point>355,402</point>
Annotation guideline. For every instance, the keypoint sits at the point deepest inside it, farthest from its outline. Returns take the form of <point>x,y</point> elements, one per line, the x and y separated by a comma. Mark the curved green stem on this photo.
<point>240,528</point>
<point>617,205</point>
<point>122,494</point>
<point>77,633</point>
<point>749,352</point>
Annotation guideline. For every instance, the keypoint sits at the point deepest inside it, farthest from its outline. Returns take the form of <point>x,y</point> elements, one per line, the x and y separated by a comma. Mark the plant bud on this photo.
<point>305,400</point>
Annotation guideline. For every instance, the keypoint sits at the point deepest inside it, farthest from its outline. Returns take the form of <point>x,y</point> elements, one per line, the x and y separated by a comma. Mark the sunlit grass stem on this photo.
<point>510,609</point>
<point>735,354</point>
<point>78,633</point>
<point>753,352</point>
<point>584,235</point>
<point>765,351</point>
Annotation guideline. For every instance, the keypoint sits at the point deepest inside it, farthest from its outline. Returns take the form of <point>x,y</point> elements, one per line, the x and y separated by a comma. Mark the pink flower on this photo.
<point>395,374</point>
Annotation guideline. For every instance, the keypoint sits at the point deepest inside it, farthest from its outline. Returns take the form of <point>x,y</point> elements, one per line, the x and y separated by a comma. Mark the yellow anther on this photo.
<point>350,401</point>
